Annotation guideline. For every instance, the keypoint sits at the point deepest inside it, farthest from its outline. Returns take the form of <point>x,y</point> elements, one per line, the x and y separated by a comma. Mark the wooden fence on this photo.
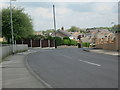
<point>36,43</point>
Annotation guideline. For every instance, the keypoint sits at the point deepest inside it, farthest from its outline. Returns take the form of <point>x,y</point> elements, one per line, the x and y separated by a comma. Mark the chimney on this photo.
<point>62,28</point>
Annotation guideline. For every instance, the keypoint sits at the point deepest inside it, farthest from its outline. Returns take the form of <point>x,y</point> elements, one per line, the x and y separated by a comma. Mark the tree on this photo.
<point>74,29</point>
<point>116,28</point>
<point>48,31</point>
<point>22,23</point>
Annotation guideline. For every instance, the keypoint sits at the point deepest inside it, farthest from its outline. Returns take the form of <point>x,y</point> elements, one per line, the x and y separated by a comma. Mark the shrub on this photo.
<point>67,42</point>
<point>85,44</point>
<point>3,42</point>
<point>59,41</point>
<point>73,42</point>
<point>66,38</point>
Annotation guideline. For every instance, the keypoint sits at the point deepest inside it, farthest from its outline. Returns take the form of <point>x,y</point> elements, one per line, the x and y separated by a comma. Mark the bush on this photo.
<point>73,42</point>
<point>66,38</point>
<point>85,44</point>
<point>67,42</point>
<point>3,42</point>
<point>59,41</point>
<point>49,38</point>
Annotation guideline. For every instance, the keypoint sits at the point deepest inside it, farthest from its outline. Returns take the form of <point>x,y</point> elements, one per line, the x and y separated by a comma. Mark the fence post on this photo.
<point>31,42</point>
<point>22,41</point>
<point>15,42</point>
<point>40,42</point>
<point>48,43</point>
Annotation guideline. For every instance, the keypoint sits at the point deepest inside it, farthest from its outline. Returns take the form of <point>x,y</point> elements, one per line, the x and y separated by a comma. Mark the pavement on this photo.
<point>15,73</point>
<point>108,52</point>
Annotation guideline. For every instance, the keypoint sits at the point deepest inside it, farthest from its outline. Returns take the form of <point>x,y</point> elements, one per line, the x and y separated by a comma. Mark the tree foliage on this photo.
<point>22,23</point>
<point>116,28</point>
<point>48,31</point>
<point>74,29</point>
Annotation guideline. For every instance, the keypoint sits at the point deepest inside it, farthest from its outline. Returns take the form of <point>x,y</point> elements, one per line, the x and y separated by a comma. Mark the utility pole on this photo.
<point>54,23</point>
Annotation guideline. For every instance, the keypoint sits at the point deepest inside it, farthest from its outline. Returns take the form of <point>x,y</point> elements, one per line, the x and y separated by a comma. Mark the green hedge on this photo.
<point>65,41</point>
<point>73,42</point>
<point>59,41</point>
<point>3,42</point>
<point>85,44</point>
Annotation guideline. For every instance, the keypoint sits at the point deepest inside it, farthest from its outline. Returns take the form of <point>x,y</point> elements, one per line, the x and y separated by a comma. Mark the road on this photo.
<point>75,68</point>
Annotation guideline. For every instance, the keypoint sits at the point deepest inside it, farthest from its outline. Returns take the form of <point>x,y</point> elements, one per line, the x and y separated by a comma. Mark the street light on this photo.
<point>12,26</point>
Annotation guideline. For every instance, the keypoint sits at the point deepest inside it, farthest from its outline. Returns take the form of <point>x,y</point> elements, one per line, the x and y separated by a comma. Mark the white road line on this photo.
<point>90,63</point>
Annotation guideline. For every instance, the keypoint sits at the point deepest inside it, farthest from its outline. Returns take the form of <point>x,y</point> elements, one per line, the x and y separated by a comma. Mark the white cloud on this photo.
<point>102,15</point>
<point>105,7</point>
<point>4,5</point>
<point>65,0</point>
<point>44,12</point>
<point>63,11</point>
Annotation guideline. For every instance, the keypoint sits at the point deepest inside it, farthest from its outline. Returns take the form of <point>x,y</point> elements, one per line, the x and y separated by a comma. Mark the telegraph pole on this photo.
<point>54,23</point>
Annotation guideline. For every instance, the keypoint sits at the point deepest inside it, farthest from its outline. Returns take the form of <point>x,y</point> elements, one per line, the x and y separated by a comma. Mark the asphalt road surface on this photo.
<point>75,68</point>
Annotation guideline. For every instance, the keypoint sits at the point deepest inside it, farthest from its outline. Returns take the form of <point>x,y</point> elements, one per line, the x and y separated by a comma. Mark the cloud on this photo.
<point>62,11</point>
<point>4,5</point>
<point>43,12</point>
<point>105,7</point>
<point>83,15</point>
<point>65,0</point>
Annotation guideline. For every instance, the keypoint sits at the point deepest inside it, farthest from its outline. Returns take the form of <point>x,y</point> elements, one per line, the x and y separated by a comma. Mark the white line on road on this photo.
<point>90,63</point>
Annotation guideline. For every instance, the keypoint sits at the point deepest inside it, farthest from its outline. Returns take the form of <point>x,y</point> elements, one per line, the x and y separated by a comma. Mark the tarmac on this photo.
<point>15,73</point>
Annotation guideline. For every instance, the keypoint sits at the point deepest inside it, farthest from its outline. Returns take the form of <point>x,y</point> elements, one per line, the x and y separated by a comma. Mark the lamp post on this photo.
<point>12,26</point>
<point>54,23</point>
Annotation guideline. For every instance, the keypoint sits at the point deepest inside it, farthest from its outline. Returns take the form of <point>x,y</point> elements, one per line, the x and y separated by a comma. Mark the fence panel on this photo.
<point>52,43</point>
<point>44,43</point>
<point>35,43</point>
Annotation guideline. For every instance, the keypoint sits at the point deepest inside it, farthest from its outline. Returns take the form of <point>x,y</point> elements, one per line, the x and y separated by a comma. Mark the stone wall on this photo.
<point>111,46</point>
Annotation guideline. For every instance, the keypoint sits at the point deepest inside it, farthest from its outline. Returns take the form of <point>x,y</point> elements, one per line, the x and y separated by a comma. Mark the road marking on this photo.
<point>90,63</point>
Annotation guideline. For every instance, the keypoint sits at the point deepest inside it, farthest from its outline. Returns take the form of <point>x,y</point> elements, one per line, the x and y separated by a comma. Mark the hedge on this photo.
<point>85,44</point>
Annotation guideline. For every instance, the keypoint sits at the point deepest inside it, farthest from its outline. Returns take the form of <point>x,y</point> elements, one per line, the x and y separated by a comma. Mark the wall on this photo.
<point>7,50</point>
<point>111,46</point>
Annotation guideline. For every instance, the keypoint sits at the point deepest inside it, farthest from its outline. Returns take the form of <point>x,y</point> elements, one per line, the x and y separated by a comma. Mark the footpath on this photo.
<point>109,52</point>
<point>16,75</point>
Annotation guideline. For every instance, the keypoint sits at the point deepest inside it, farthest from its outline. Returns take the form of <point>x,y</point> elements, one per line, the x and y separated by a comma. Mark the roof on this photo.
<point>64,32</point>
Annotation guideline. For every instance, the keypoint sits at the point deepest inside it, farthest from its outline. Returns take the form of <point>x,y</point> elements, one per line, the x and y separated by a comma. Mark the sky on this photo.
<point>80,14</point>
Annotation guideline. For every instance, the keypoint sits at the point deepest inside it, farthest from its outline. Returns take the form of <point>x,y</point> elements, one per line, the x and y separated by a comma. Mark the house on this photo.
<point>75,35</point>
<point>61,33</point>
<point>38,33</point>
<point>97,34</point>
<point>2,39</point>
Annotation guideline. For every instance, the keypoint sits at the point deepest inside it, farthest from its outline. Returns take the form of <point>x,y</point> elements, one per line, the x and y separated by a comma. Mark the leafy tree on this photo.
<point>22,23</point>
<point>74,29</point>
<point>116,28</point>
<point>48,31</point>
<point>36,37</point>
<point>49,38</point>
